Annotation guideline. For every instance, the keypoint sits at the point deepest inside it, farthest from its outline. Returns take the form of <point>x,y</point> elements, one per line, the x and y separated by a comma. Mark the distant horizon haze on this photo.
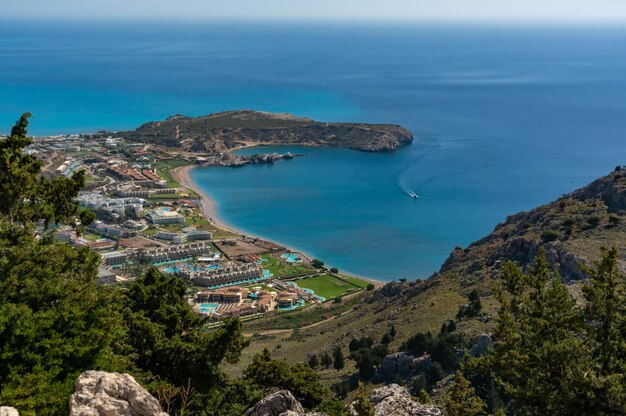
<point>435,11</point>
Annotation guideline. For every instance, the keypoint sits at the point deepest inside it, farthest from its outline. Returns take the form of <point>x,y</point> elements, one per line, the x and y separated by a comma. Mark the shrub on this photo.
<point>549,235</point>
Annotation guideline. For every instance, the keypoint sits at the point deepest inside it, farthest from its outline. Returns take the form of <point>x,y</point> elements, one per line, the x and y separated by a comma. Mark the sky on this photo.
<point>566,11</point>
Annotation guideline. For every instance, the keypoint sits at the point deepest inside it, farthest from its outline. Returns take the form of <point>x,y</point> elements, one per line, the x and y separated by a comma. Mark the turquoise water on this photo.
<point>299,304</point>
<point>290,257</point>
<point>310,291</point>
<point>208,308</point>
<point>504,119</point>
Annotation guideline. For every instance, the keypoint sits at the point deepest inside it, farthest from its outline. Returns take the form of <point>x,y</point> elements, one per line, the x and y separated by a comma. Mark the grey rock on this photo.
<point>395,400</point>
<point>423,363</point>
<point>394,366</point>
<point>98,393</point>
<point>280,403</point>
<point>482,345</point>
<point>8,411</point>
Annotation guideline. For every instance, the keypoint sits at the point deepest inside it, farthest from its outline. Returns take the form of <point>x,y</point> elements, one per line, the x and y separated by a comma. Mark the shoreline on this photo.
<point>208,206</point>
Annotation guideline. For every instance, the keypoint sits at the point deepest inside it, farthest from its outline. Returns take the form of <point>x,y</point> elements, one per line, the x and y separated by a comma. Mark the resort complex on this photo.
<point>150,215</point>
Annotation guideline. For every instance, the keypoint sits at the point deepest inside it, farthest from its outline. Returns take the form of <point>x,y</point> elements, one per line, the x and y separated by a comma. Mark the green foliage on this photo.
<point>338,359</point>
<point>462,400</point>
<point>423,397</point>
<point>314,362</point>
<point>326,359</point>
<point>362,404</point>
<point>318,264</point>
<point>552,357</point>
<point>549,235</point>
<point>299,379</point>
<point>332,407</point>
<point>54,322</point>
<point>168,339</point>
<point>26,197</point>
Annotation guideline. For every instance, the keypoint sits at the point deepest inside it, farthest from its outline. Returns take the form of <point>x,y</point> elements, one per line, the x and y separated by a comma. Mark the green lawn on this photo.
<point>328,286</point>
<point>280,268</point>
<point>355,281</point>
<point>164,168</point>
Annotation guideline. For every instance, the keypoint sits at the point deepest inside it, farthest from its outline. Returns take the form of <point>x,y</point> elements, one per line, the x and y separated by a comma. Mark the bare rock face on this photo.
<point>8,411</point>
<point>98,393</point>
<point>395,400</point>
<point>395,365</point>
<point>281,403</point>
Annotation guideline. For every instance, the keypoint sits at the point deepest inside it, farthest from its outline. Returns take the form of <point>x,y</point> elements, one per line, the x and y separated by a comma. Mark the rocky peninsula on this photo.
<point>223,132</point>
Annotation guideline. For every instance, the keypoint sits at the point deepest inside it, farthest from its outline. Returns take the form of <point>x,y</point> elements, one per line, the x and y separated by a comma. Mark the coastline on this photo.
<point>208,206</point>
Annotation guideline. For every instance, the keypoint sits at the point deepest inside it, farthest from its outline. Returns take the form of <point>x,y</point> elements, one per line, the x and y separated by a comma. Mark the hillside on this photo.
<point>571,229</point>
<point>219,132</point>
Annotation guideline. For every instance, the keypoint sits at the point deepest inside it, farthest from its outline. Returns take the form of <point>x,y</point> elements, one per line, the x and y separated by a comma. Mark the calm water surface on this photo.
<point>504,119</point>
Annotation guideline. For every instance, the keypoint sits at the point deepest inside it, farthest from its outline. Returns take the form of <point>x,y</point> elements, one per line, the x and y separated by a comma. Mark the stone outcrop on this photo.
<point>8,411</point>
<point>98,393</point>
<point>482,345</point>
<point>395,400</point>
<point>280,403</point>
<point>395,365</point>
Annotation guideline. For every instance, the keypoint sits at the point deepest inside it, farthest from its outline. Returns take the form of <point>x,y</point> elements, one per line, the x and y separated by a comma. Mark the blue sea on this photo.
<point>504,119</point>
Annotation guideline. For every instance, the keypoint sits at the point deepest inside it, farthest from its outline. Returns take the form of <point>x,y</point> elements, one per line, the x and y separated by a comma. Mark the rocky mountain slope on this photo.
<point>571,229</point>
<point>219,132</point>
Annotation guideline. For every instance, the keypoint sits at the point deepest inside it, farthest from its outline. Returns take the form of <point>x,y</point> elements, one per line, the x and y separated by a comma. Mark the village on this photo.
<point>145,219</point>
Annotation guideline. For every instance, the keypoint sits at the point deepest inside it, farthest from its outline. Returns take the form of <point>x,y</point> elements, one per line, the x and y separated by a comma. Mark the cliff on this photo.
<point>220,132</point>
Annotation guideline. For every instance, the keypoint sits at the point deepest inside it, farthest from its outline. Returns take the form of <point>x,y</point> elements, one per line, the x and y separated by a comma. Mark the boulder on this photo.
<point>280,403</point>
<point>482,345</point>
<point>395,366</point>
<point>395,400</point>
<point>98,393</point>
<point>8,411</point>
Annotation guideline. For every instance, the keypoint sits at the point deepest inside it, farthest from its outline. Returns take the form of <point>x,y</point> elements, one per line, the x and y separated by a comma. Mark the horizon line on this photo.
<point>614,22</point>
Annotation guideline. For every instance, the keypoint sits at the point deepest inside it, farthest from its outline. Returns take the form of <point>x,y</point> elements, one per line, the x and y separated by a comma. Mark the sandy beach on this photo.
<point>209,208</point>
<point>207,205</point>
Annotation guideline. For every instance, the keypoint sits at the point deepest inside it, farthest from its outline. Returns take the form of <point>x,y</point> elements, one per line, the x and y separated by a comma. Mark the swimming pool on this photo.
<point>292,307</point>
<point>267,274</point>
<point>208,308</point>
<point>291,257</point>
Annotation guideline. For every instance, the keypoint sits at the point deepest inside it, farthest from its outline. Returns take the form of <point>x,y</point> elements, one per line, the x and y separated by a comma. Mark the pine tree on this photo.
<point>539,360</point>
<point>339,361</point>
<point>314,362</point>
<point>423,397</point>
<point>605,315</point>
<point>54,322</point>
<point>462,399</point>
<point>362,405</point>
<point>326,359</point>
